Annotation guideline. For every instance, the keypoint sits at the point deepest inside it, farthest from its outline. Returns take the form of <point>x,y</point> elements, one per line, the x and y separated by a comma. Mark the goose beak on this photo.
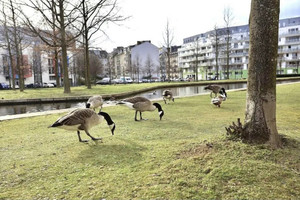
<point>88,105</point>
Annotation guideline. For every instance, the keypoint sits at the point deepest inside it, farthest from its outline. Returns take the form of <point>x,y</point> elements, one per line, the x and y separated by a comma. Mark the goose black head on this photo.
<point>207,87</point>
<point>109,121</point>
<point>88,105</point>
<point>223,92</point>
<point>160,110</point>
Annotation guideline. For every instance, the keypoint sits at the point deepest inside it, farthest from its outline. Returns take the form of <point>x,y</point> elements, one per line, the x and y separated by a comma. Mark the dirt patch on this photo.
<point>200,150</point>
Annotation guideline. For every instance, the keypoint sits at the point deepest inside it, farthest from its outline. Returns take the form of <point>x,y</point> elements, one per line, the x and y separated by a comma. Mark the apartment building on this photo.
<point>175,71</point>
<point>37,63</point>
<point>213,58</point>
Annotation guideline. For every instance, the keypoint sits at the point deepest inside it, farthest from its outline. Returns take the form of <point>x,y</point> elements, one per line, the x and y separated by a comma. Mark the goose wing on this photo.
<point>75,117</point>
<point>135,100</point>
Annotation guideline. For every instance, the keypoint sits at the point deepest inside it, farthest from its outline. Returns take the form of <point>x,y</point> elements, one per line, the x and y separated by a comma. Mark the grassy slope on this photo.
<point>165,159</point>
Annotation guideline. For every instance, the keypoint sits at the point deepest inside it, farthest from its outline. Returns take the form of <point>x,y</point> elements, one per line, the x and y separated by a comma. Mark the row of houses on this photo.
<point>217,54</point>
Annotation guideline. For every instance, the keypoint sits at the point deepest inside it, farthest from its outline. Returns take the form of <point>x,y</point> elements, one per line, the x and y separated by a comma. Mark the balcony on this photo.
<point>291,33</point>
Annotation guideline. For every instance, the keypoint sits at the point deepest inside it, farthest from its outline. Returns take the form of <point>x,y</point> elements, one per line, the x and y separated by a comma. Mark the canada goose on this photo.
<point>83,119</point>
<point>216,89</point>
<point>167,94</point>
<point>141,104</point>
<point>217,100</point>
<point>95,102</point>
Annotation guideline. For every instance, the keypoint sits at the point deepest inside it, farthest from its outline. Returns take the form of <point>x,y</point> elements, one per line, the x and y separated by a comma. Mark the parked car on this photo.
<point>126,80</point>
<point>48,85</point>
<point>104,81</point>
<point>4,86</point>
<point>34,85</point>
<point>116,81</point>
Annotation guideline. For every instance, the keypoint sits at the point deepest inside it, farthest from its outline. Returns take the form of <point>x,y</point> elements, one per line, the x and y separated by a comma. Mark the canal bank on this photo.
<point>109,96</point>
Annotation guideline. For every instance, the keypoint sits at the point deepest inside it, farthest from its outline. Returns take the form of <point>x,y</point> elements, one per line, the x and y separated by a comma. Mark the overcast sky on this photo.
<point>186,18</point>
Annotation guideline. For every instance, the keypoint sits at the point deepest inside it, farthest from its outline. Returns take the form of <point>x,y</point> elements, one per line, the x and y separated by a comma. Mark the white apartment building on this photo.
<point>38,64</point>
<point>199,52</point>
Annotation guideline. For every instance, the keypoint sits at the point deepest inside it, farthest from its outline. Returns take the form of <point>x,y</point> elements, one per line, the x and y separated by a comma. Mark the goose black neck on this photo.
<point>158,106</point>
<point>106,117</point>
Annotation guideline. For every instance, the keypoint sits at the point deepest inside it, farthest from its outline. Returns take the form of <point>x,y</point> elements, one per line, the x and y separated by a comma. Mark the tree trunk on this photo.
<point>169,64</point>
<point>260,117</point>
<point>67,88</point>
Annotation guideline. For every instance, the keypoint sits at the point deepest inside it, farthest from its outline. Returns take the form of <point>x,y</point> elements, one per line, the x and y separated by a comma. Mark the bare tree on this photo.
<point>15,42</point>
<point>96,67</point>
<point>149,66</point>
<point>137,67</point>
<point>196,55</point>
<point>260,118</point>
<point>94,15</point>
<point>216,38</point>
<point>168,40</point>
<point>228,18</point>
<point>9,49</point>
<point>37,64</point>
<point>58,17</point>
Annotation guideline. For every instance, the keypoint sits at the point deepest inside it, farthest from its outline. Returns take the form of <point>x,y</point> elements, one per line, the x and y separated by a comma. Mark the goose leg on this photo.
<point>92,136</point>
<point>80,140</point>
<point>165,101</point>
<point>135,116</point>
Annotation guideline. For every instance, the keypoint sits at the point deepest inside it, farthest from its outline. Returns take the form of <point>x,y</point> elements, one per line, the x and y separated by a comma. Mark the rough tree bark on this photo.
<point>260,117</point>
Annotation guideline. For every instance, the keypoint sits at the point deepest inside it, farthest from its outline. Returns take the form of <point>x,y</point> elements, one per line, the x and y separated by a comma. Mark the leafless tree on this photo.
<point>216,45</point>
<point>57,18</point>
<point>137,67</point>
<point>168,40</point>
<point>228,18</point>
<point>260,117</point>
<point>37,64</point>
<point>196,55</point>
<point>149,66</point>
<point>96,67</point>
<point>15,40</point>
<point>94,15</point>
<point>9,48</point>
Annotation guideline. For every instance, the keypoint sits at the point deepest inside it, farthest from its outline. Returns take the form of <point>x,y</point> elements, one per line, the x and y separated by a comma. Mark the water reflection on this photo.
<point>188,91</point>
<point>29,108</point>
<point>155,94</point>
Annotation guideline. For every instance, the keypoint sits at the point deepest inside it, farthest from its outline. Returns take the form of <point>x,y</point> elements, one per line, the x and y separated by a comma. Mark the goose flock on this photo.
<point>220,94</point>
<point>83,119</point>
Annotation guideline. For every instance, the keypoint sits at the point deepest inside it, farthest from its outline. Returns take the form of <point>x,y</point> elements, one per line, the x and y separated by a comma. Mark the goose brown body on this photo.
<point>83,119</point>
<point>216,89</point>
<point>167,94</point>
<point>95,102</point>
<point>141,104</point>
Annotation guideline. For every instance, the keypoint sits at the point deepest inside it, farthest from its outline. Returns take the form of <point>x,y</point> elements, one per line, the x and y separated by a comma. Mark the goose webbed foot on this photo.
<point>95,139</point>
<point>84,141</point>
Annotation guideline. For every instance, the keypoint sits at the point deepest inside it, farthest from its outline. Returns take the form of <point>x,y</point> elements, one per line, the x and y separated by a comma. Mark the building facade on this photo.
<point>219,55</point>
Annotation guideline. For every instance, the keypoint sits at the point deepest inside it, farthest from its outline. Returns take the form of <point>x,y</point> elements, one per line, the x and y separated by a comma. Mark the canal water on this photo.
<point>155,94</point>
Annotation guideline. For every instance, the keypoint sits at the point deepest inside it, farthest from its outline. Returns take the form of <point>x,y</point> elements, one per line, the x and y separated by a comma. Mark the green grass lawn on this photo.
<point>154,159</point>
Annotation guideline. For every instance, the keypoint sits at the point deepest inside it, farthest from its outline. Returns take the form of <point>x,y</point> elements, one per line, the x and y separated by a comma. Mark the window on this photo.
<point>49,61</point>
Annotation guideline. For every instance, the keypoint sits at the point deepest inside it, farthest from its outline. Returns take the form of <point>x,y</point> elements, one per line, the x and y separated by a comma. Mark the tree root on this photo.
<point>235,131</point>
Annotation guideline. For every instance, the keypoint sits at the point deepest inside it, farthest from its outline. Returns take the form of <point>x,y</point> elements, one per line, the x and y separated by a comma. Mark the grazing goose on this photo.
<point>83,119</point>
<point>216,89</point>
<point>141,104</point>
<point>167,94</point>
<point>217,100</point>
<point>95,102</point>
